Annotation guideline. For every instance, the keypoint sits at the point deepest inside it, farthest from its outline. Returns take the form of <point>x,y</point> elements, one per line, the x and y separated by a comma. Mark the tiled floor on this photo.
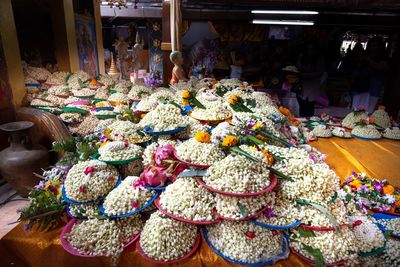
<point>9,214</point>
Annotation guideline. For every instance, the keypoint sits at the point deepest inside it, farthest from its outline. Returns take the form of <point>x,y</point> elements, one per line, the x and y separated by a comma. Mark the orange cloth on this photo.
<point>376,158</point>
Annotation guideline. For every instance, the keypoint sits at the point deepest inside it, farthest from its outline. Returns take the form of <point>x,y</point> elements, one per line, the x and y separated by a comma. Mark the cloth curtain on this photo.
<point>176,25</point>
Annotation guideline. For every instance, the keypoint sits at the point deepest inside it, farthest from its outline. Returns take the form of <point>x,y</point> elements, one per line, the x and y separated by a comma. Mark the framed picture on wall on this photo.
<point>86,43</point>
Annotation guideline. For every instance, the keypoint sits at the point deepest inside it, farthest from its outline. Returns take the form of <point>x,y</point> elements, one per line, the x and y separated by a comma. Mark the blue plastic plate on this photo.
<point>365,138</point>
<point>150,131</point>
<point>70,201</point>
<point>383,216</point>
<point>101,208</point>
<point>282,256</point>
<point>276,227</point>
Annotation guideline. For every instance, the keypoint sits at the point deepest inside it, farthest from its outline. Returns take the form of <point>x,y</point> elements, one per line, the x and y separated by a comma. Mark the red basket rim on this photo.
<point>184,258</point>
<point>310,261</point>
<point>241,219</point>
<point>158,205</point>
<point>70,249</point>
<point>190,163</point>
<point>322,228</point>
<point>270,187</point>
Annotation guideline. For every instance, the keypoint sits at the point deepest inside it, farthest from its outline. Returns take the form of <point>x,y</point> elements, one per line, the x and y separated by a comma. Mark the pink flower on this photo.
<point>89,170</point>
<point>139,184</point>
<point>135,204</point>
<point>164,153</point>
<point>82,189</point>
<point>111,179</point>
<point>250,235</point>
<point>154,176</point>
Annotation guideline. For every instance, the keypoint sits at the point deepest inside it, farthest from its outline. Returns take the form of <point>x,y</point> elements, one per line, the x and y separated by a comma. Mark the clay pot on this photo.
<point>21,158</point>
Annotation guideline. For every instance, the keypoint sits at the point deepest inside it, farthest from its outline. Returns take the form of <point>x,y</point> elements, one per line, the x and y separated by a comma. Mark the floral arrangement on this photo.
<point>238,104</point>
<point>189,97</point>
<point>153,79</point>
<point>371,193</point>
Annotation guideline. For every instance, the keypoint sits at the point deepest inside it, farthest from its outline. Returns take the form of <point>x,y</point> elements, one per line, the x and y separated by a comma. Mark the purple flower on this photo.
<point>40,185</point>
<point>378,186</point>
<point>103,138</point>
<point>363,188</point>
<point>27,227</point>
<point>251,123</point>
<point>354,174</point>
<point>349,179</point>
<point>247,132</point>
<point>269,213</point>
<point>312,157</point>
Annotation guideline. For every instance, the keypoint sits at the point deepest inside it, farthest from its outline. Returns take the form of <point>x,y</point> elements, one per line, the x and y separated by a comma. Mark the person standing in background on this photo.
<point>369,77</point>
<point>312,68</point>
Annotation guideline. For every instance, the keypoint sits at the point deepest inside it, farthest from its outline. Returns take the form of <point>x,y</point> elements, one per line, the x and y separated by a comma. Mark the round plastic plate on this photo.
<point>365,138</point>
<point>276,227</point>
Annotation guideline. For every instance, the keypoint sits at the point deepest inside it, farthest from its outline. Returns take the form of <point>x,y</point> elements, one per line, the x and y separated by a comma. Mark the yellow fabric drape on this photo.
<point>176,25</point>
<point>378,159</point>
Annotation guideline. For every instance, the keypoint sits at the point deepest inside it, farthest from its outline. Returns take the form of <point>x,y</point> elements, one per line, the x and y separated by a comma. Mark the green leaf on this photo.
<point>387,234</point>
<point>322,209</point>
<point>275,138</point>
<point>197,103</point>
<point>333,198</point>
<point>348,198</point>
<point>280,174</point>
<point>81,84</point>
<point>240,151</point>
<point>242,210</point>
<point>305,232</point>
<point>316,254</point>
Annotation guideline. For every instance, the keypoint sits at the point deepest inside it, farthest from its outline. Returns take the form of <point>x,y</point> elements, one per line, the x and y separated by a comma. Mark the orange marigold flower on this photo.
<point>262,137</point>
<point>233,100</point>
<point>186,94</point>
<point>229,140</point>
<point>93,82</point>
<point>202,137</point>
<point>355,183</point>
<point>388,189</point>
<point>142,115</point>
<point>268,156</point>
<point>185,102</point>
<point>296,123</point>
<point>381,107</point>
<point>284,111</point>
<point>397,203</point>
<point>371,120</point>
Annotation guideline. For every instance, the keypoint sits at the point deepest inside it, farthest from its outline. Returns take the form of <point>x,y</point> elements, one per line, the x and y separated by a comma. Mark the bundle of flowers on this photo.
<point>84,92</point>
<point>42,103</point>
<point>97,237</point>
<point>185,198</point>
<point>245,242</point>
<point>239,208</point>
<point>103,124</point>
<point>118,98</point>
<point>200,150</point>
<point>239,174</point>
<point>39,74</point>
<point>221,131</point>
<point>389,257</point>
<point>138,92</point>
<point>281,213</point>
<point>77,79</point>
<point>351,119</point>
<point>59,90</point>
<point>119,150</point>
<point>126,130</point>
<point>366,131</point>
<point>57,77</point>
<point>71,117</point>
<point>166,239</point>
<point>89,180</point>
<point>127,197</point>
<point>163,118</point>
<point>326,247</point>
<point>392,133</point>
<point>122,87</point>
<point>153,79</point>
<point>106,79</point>
<point>89,211</point>
<point>340,132</point>
<point>102,93</point>
<point>215,113</point>
<point>382,118</point>
<point>372,193</point>
<point>194,126</point>
<point>322,131</point>
<point>368,235</point>
<point>151,102</point>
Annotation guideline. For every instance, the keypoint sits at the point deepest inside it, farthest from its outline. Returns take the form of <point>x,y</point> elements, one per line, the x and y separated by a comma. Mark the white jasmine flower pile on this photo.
<point>106,79</point>
<point>40,102</point>
<point>334,246</point>
<point>238,208</point>
<point>122,87</point>
<point>244,241</point>
<point>104,237</point>
<point>322,131</point>
<point>314,217</point>
<point>126,198</point>
<point>340,132</point>
<point>73,80</point>
<point>239,174</point>
<point>39,74</point>
<point>119,150</point>
<point>118,98</point>
<point>59,90</point>
<point>84,92</point>
<point>126,130</point>
<point>59,101</point>
<point>187,199</point>
<point>390,256</point>
<point>369,237</point>
<point>283,212</point>
<point>367,131</point>
<point>89,211</point>
<point>353,118</point>
<point>103,124</point>
<point>382,118</point>
<point>214,113</point>
<point>199,153</point>
<point>220,131</point>
<point>391,224</point>
<point>164,117</point>
<point>57,77</point>
<point>89,180</point>
<point>308,134</point>
<point>166,239</point>
<point>151,102</point>
<point>194,126</point>
<point>392,133</point>
<point>138,92</point>
<point>71,117</point>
